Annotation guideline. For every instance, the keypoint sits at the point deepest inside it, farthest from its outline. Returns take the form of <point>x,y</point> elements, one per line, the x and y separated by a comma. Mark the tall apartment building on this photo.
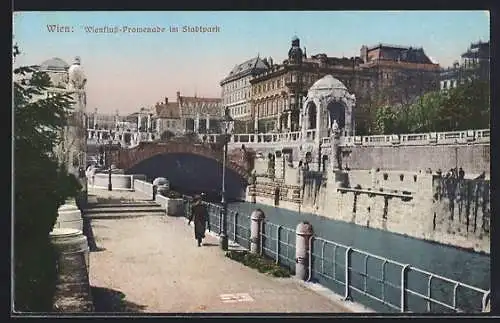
<point>278,93</point>
<point>236,91</point>
<point>400,74</point>
<point>474,65</point>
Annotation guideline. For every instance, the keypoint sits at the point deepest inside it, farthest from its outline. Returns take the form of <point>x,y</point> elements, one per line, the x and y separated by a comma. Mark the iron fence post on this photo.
<point>347,293</point>
<point>403,288</point>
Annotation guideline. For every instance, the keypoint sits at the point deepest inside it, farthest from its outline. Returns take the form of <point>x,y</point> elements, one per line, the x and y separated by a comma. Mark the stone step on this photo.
<point>115,216</point>
<point>98,209</point>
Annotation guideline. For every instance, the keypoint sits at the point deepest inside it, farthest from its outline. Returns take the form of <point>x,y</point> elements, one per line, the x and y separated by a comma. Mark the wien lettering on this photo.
<point>59,29</point>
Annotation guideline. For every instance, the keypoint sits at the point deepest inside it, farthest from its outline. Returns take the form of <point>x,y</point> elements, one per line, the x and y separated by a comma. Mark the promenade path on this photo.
<point>152,264</point>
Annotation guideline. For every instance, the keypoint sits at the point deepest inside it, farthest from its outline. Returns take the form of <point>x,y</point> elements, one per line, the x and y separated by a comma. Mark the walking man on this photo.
<point>199,215</point>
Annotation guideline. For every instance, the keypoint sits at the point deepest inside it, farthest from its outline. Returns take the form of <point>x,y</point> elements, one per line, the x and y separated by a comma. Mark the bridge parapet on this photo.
<point>297,138</point>
<point>127,158</point>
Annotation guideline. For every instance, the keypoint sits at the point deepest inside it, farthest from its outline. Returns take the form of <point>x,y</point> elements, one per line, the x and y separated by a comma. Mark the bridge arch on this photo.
<point>188,166</point>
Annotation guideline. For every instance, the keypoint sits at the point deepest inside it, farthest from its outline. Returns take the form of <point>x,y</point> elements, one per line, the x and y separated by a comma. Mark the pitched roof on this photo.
<point>401,53</point>
<point>168,110</point>
<point>253,64</point>
<point>195,99</point>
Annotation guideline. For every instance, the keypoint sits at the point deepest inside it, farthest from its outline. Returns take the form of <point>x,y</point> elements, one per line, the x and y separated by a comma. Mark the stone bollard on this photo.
<point>255,230</point>
<point>69,216</point>
<point>304,233</point>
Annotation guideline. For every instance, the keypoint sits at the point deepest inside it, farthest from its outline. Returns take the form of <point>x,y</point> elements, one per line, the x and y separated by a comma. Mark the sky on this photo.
<point>129,70</point>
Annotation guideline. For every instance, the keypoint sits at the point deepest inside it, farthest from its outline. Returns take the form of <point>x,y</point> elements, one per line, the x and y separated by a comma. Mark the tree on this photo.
<point>42,184</point>
<point>386,120</point>
<point>425,114</point>
<point>461,108</point>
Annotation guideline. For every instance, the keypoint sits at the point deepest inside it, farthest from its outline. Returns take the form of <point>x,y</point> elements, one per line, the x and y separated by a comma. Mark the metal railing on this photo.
<point>354,269</point>
<point>238,228</point>
<point>360,276</point>
<point>278,242</point>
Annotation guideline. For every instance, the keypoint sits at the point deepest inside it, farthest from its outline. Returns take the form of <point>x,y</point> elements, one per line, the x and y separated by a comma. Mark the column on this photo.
<point>300,119</point>
<point>123,139</point>
<point>289,120</point>
<point>279,122</point>
<point>149,123</point>
<point>95,118</point>
<point>197,123</point>
<point>256,118</point>
<point>207,123</point>
<point>158,126</point>
<point>139,121</point>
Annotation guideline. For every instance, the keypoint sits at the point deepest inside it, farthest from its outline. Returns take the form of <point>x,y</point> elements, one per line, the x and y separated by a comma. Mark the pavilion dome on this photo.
<point>327,83</point>
<point>54,64</point>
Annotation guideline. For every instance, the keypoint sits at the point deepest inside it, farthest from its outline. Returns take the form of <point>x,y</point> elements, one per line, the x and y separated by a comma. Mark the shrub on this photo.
<point>262,264</point>
<point>42,184</point>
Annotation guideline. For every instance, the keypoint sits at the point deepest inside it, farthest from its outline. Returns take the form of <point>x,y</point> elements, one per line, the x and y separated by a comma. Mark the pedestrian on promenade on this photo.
<point>199,215</point>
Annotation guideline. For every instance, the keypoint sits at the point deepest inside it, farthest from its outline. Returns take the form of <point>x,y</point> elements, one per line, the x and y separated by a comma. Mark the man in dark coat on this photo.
<point>199,215</point>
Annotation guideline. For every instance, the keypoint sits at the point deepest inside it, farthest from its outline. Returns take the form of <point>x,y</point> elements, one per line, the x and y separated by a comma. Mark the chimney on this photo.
<point>364,53</point>
<point>178,95</point>
<point>166,100</point>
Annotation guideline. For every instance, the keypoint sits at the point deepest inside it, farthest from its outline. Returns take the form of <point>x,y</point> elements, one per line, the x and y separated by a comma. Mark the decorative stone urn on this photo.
<point>69,216</point>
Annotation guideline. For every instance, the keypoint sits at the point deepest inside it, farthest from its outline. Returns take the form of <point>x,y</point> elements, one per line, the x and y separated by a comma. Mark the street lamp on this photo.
<point>110,186</point>
<point>226,123</point>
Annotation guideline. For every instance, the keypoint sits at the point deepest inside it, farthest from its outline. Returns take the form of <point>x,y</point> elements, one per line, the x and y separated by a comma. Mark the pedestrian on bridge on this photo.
<point>199,215</point>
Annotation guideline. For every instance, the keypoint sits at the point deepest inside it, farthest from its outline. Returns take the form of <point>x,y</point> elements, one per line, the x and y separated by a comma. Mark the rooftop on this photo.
<point>169,110</point>
<point>252,64</point>
<point>54,64</point>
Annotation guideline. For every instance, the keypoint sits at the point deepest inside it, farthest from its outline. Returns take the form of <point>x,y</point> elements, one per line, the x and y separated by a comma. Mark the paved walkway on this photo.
<point>152,264</point>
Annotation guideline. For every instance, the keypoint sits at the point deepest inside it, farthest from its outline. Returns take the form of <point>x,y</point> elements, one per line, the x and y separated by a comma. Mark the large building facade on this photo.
<point>474,65</point>
<point>168,118</point>
<point>237,91</point>
<point>189,114</point>
<point>382,74</point>
<point>200,114</point>
<point>278,93</point>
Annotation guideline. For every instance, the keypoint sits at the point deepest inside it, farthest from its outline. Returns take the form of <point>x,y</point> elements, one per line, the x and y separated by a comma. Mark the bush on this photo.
<point>42,184</point>
<point>262,264</point>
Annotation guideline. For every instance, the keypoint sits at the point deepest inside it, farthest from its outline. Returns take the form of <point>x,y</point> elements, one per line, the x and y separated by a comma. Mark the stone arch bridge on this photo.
<point>239,161</point>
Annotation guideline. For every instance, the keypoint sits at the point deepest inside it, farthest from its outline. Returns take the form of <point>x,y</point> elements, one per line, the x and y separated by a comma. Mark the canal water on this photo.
<point>457,264</point>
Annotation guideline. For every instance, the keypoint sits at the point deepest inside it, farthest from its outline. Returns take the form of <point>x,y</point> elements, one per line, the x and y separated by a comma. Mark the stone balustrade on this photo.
<point>119,182</point>
<point>451,137</point>
<point>298,137</point>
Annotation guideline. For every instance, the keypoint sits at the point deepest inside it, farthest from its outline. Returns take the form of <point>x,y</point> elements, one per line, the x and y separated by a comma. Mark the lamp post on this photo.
<point>223,236</point>
<point>110,186</point>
